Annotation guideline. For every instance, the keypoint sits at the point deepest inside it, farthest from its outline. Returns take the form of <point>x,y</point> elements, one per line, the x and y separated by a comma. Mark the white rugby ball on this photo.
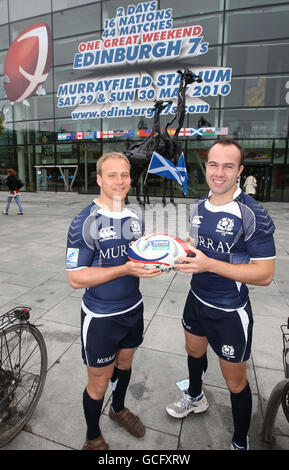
<point>157,251</point>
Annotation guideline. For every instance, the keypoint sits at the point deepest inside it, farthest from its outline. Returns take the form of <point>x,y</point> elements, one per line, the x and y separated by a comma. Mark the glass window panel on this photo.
<point>197,7</point>
<point>6,137</point>
<point>245,123</point>
<point>64,49</point>
<point>90,152</point>
<point>66,74</point>
<point>19,9</point>
<point>211,58</point>
<point>63,111</point>
<point>35,132</point>
<point>257,91</point>
<point>76,21</point>
<point>110,146</point>
<point>44,154</point>
<point>2,61</point>
<point>16,28</point>
<point>40,107</point>
<point>4,37</point>
<point>212,27</point>
<point>63,4</point>
<point>109,9</point>
<point>3,11</point>
<point>69,125</point>
<point>6,112</point>
<point>67,153</point>
<point>211,119</point>
<point>231,4</point>
<point>280,183</point>
<point>257,25</point>
<point>257,58</point>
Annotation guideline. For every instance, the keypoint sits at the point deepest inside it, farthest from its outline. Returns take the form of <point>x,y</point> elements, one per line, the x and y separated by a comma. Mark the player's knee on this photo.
<point>123,364</point>
<point>96,390</point>
<point>195,352</point>
<point>124,359</point>
<point>236,386</point>
<point>98,383</point>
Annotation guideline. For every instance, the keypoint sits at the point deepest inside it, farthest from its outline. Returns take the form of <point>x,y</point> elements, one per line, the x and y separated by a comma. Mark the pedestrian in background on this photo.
<point>250,185</point>
<point>13,191</point>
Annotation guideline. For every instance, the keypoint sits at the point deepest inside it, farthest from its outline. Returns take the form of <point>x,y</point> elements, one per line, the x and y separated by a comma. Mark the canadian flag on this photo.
<point>79,135</point>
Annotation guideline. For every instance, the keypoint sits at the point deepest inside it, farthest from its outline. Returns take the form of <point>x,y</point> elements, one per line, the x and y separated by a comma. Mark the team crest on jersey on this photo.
<point>135,227</point>
<point>225,226</point>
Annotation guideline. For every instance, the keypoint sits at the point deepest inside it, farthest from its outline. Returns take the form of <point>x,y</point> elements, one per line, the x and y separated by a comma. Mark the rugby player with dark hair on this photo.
<point>112,306</point>
<point>232,239</point>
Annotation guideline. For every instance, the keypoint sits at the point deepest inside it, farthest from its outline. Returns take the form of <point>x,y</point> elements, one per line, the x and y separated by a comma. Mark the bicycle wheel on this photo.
<point>23,367</point>
<point>285,401</point>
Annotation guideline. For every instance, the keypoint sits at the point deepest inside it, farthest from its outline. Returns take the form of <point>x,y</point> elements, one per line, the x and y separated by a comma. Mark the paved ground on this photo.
<point>32,272</point>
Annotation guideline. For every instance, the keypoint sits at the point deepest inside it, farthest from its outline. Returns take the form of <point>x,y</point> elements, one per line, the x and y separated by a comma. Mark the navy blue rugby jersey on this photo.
<point>100,238</point>
<point>237,232</point>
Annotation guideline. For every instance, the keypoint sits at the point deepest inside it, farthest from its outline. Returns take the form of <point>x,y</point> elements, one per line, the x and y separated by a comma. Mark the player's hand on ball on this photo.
<point>139,270</point>
<point>195,262</point>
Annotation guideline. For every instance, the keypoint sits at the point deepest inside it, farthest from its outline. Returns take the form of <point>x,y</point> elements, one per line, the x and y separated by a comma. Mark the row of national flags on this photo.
<point>161,166</point>
<point>128,133</point>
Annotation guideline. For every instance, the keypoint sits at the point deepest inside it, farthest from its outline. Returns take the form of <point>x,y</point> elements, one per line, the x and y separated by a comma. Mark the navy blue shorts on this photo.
<point>103,337</point>
<point>229,333</point>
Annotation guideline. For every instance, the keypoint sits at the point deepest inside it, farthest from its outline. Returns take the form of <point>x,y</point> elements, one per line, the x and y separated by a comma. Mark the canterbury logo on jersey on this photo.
<point>197,220</point>
<point>107,233</point>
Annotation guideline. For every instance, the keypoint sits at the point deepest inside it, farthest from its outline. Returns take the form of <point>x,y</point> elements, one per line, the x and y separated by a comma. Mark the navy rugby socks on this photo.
<point>197,367</point>
<point>241,410</point>
<point>120,380</point>
<point>92,411</point>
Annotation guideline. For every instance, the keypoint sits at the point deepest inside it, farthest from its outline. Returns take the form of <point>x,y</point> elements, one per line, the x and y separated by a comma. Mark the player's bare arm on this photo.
<point>94,276</point>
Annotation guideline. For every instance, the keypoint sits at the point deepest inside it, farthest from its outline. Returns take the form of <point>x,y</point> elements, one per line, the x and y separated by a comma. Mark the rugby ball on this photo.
<point>27,62</point>
<point>157,251</point>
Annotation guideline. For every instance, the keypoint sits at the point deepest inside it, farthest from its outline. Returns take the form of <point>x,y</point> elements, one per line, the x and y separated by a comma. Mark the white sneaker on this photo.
<point>186,404</point>
<point>235,446</point>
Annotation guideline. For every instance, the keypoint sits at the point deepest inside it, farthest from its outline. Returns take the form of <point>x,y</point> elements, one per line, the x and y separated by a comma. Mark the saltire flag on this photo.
<point>181,167</point>
<point>159,165</point>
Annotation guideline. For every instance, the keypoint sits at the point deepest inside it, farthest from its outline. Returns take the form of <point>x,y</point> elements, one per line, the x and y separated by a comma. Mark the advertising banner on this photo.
<point>136,62</point>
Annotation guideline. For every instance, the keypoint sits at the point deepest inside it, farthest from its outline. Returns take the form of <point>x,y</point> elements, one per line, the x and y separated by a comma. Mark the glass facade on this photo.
<point>250,37</point>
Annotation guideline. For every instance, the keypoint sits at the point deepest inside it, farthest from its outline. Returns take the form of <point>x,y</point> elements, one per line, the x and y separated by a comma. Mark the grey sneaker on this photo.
<point>186,404</point>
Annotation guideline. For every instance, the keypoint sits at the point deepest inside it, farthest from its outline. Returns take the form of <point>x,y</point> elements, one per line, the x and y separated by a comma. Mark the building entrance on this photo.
<point>55,177</point>
<point>263,175</point>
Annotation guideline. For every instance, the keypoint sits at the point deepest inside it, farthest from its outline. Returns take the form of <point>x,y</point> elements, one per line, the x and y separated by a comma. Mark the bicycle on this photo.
<point>23,368</point>
<point>285,392</point>
<point>279,395</point>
